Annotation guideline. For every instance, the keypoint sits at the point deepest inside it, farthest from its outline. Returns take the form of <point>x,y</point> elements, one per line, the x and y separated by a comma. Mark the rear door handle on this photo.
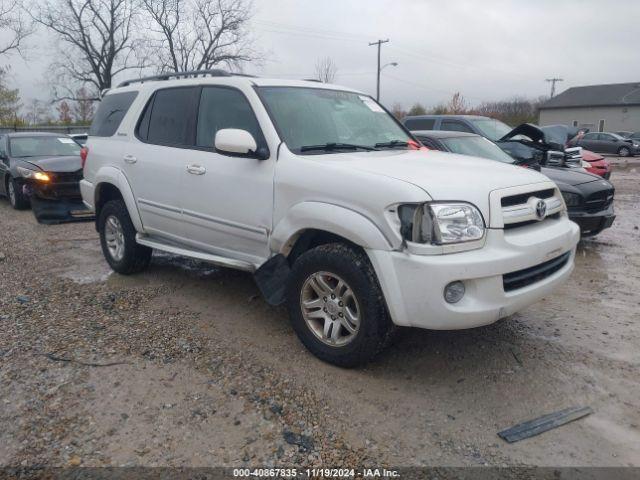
<point>196,170</point>
<point>130,159</point>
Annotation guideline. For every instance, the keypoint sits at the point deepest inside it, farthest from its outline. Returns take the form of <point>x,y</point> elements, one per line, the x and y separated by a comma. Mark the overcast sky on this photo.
<point>487,50</point>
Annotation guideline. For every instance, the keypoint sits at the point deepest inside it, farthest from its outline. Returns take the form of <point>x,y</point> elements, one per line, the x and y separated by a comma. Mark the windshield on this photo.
<point>42,146</point>
<point>478,147</point>
<point>308,117</point>
<point>490,128</point>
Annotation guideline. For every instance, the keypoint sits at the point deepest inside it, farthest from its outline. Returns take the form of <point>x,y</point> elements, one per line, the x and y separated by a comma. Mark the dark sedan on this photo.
<point>42,170</point>
<point>604,142</point>
<point>589,198</point>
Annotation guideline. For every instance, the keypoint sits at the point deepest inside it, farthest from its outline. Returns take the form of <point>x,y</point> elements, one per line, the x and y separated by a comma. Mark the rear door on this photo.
<point>590,142</point>
<point>608,143</point>
<point>153,161</point>
<point>227,199</point>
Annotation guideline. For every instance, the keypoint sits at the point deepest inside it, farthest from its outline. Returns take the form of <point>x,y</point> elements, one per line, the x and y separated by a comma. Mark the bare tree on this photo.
<point>97,39</point>
<point>9,100</point>
<point>37,112</point>
<point>83,108</point>
<point>200,34</point>
<point>457,105</point>
<point>326,70</point>
<point>397,111</point>
<point>13,26</point>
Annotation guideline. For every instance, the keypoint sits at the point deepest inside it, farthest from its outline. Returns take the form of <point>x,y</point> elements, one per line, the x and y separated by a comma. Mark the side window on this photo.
<point>221,108</point>
<point>3,149</point>
<point>420,123</point>
<point>111,111</point>
<point>427,142</point>
<point>590,136</point>
<point>605,137</point>
<point>171,117</point>
<point>454,126</point>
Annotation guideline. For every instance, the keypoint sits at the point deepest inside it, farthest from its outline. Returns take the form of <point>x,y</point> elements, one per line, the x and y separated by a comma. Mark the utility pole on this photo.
<point>379,43</point>
<point>553,84</point>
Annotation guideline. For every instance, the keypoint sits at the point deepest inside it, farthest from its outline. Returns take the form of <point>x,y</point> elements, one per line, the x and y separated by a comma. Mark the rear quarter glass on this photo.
<point>111,111</point>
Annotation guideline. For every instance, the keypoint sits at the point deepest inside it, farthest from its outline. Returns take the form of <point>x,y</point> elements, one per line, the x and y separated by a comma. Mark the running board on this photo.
<point>206,257</point>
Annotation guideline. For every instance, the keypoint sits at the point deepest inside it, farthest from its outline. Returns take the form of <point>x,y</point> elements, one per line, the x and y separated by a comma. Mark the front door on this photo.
<point>227,200</point>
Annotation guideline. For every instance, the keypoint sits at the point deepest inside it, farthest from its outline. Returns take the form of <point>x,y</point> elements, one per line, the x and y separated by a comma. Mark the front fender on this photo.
<point>341,221</point>
<point>117,178</point>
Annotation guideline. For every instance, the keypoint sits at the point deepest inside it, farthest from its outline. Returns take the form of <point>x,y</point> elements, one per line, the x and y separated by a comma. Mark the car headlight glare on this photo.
<point>441,223</point>
<point>571,199</point>
<point>33,174</point>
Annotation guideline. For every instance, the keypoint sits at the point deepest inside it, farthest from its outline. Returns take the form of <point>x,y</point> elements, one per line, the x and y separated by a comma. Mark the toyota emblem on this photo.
<point>541,209</point>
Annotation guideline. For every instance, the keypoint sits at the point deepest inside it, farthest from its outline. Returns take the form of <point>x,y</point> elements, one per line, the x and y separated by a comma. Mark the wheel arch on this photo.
<point>310,224</point>
<point>111,184</point>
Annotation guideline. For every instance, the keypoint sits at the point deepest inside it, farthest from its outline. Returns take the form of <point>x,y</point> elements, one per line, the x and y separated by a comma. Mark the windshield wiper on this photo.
<point>392,144</point>
<point>336,146</point>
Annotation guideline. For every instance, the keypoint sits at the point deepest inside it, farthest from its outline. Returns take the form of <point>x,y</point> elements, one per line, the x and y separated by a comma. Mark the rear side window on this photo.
<point>420,123</point>
<point>169,118</point>
<point>454,126</point>
<point>111,111</point>
<point>224,108</point>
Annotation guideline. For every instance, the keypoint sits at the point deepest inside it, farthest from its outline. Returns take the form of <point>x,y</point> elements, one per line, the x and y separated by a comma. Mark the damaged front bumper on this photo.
<point>52,204</point>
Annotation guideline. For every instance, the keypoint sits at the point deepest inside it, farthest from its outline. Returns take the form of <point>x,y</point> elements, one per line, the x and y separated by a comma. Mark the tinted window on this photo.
<point>454,126</point>
<point>420,123</point>
<point>172,116</point>
<point>590,136</point>
<point>111,111</point>
<point>605,137</point>
<point>224,108</point>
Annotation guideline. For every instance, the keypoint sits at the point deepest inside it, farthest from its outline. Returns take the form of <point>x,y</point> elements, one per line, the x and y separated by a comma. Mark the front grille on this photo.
<point>598,201</point>
<point>509,226</point>
<point>66,177</point>
<point>524,197</point>
<point>529,276</point>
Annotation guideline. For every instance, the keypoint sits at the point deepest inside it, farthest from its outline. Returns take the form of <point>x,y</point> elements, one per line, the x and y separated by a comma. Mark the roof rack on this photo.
<point>189,74</point>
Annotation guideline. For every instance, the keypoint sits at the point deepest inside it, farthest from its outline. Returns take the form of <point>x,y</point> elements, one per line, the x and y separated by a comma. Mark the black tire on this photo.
<point>17,199</point>
<point>375,330</point>
<point>136,257</point>
<point>624,151</point>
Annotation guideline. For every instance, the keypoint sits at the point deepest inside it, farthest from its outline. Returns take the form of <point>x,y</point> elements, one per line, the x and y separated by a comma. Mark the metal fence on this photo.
<point>68,129</point>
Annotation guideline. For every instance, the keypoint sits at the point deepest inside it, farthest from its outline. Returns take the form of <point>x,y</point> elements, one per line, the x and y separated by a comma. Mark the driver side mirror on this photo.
<point>238,142</point>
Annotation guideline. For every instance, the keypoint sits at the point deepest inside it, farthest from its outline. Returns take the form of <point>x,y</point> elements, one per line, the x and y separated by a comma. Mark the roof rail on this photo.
<point>189,74</point>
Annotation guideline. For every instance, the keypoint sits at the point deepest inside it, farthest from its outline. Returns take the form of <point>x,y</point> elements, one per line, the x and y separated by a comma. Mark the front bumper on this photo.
<point>51,212</point>
<point>413,285</point>
<point>593,223</point>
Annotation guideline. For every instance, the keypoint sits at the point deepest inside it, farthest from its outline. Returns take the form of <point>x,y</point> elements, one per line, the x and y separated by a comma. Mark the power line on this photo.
<point>553,84</point>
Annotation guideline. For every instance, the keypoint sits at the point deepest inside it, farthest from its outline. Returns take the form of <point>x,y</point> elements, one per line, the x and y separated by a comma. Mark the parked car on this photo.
<point>319,192</point>
<point>635,136</point>
<point>42,170</point>
<point>606,142</point>
<point>80,138</point>
<point>598,165</point>
<point>549,141</point>
<point>589,199</point>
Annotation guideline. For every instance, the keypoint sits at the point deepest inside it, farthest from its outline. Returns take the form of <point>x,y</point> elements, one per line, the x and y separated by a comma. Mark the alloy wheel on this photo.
<point>114,237</point>
<point>330,309</point>
<point>12,192</point>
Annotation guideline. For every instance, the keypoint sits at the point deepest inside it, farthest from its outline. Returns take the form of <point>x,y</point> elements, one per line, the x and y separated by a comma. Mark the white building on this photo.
<point>610,108</point>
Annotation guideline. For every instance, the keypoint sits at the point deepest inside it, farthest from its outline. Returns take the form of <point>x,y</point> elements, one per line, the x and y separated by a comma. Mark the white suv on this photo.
<point>328,200</point>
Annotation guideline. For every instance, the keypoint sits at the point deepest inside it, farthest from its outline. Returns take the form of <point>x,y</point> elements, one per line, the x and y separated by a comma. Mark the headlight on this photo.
<point>571,199</point>
<point>441,223</point>
<point>33,174</point>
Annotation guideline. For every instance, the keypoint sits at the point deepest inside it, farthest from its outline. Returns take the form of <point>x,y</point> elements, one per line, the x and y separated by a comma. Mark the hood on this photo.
<point>56,164</point>
<point>553,137</point>
<point>444,176</point>
<point>569,176</point>
<point>589,156</point>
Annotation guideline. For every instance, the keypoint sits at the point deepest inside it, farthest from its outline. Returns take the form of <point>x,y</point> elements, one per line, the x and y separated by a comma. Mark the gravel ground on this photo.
<point>185,365</point>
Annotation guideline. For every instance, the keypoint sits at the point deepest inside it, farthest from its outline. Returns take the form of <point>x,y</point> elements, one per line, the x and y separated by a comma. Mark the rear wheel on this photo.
<point>336,305</point>
<point>118,240</point>
<point>624,151</point>
<point>17,199</point>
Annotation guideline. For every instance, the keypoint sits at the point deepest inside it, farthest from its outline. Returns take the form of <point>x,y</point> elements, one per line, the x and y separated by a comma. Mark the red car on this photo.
<point>599,164</point>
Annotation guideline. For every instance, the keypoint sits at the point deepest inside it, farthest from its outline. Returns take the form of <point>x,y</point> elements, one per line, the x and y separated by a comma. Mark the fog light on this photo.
<point>454,292</point>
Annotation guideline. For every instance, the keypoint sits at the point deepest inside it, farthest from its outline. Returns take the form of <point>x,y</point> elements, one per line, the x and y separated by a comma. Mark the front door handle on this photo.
<point>130,159</point>
<point>196,170</point>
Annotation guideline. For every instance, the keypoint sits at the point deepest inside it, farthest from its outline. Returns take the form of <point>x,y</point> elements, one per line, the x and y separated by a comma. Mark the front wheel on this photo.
<point>624,151</point>
<point>17,199</point>
<point>336,305</point>
<point>118,240</point>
